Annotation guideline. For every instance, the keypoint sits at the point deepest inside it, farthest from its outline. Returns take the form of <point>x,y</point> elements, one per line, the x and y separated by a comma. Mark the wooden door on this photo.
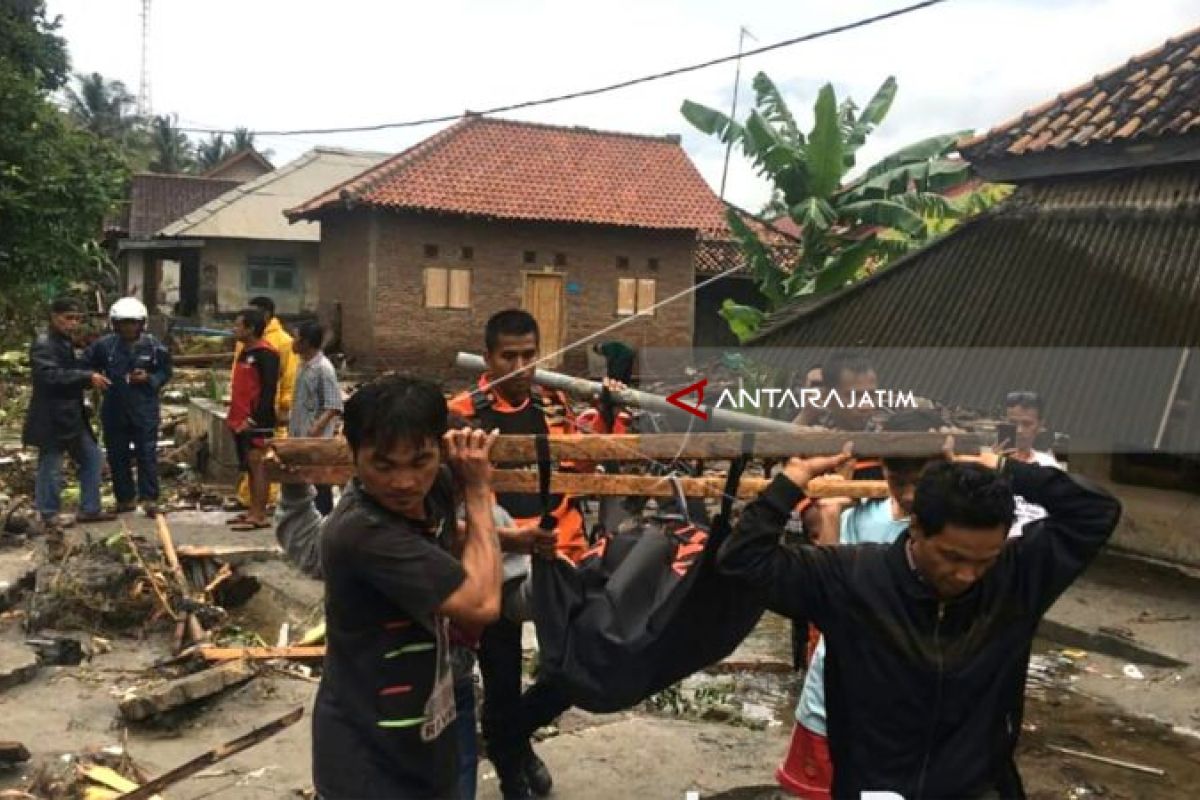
<point>544,299</point>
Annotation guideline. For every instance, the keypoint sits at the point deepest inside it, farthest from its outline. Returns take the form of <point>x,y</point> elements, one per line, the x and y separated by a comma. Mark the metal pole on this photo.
<point>737,79</point>
<point>633,398</point>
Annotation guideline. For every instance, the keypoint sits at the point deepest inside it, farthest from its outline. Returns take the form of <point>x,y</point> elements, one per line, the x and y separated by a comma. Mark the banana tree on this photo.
<point>848,226</point>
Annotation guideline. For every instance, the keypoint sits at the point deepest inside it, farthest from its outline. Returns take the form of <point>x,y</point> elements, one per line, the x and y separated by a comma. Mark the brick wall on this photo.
<point>343,278</point>
<point>410,337</point>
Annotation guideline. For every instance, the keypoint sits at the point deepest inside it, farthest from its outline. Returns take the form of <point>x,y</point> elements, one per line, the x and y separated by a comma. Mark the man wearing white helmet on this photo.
<point>138,365</point>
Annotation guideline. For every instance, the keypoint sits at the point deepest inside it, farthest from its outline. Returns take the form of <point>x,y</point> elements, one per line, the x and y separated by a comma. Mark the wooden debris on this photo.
<point>112,783</point>
<point>261,653</point>
<point>185,690</point>
<point>314,635</point>
<point>13,752</point>
<point>1116,762</point>
<point>223,574</point>
<point>229,554</point>
<point>216,755</point>
<point>168,546</point>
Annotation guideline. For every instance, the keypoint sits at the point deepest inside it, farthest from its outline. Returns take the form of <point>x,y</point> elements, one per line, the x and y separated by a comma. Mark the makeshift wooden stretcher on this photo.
<point>328,461</point>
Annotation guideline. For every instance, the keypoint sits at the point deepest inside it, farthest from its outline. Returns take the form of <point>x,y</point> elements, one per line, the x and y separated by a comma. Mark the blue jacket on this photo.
<point>124,401</point>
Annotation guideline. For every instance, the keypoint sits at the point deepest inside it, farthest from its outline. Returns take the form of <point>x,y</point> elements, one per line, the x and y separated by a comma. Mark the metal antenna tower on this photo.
<point>143,100</point>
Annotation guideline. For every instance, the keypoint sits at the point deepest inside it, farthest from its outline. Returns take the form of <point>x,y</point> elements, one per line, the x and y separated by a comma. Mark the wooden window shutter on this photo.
<point>460,288</point>
<point>646,288</point>
<point>626,296</point>
<point>436,287</point>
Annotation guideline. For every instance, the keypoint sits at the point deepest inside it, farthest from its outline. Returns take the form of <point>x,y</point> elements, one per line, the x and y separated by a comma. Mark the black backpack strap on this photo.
<point>736,468</point>
<point>480,400</point>
<point>542,445</point>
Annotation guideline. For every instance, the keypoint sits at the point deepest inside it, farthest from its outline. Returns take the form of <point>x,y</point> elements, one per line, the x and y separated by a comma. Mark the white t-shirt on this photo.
<point>1028,512</point>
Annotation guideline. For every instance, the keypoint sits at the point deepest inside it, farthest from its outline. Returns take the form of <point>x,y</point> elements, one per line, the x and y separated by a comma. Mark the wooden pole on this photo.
<point>217,754</point>
<point>521,449</point>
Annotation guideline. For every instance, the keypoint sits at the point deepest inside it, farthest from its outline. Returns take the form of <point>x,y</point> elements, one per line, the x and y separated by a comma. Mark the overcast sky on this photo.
<point>286,64</point>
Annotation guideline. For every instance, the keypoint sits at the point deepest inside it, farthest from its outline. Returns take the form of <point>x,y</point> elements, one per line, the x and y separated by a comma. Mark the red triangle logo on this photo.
<point>698,389</point>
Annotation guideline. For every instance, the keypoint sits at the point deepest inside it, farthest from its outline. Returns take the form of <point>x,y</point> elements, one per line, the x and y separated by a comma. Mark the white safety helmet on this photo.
<point>127,308</point>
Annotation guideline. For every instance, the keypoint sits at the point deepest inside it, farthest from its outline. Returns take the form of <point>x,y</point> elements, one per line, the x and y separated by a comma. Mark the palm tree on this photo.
<point>171,147</point>
<point>212,152</point>
<point>103,107</point>
<point>243,139</point>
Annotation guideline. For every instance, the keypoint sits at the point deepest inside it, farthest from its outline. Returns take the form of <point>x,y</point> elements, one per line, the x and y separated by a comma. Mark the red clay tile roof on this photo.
<point>718,251</point>
<point>496,168</point>
<point>1156,94</point>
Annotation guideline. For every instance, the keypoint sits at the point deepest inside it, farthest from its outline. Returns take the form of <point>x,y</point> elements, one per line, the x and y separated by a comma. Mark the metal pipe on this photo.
<point>633,398</point>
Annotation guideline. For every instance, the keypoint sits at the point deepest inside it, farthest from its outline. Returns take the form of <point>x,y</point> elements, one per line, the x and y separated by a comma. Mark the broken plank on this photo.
<point>232,554</point>
<point>108,778</point>
<point>260,653</point>
<point>185,690</point>
<point>217,754</point>
<point>521,449</point>
<point>168,546</point>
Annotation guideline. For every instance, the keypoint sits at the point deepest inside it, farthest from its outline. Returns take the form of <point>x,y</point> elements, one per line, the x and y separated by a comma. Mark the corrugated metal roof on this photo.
<point>1101,262</point>
<point>254,210</point>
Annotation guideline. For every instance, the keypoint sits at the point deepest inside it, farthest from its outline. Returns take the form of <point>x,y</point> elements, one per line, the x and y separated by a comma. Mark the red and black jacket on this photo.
<point>255,378</point>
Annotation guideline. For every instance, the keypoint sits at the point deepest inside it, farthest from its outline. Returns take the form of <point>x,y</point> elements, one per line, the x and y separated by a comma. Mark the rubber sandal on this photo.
<point>236,520</point>
<point>249,526</point>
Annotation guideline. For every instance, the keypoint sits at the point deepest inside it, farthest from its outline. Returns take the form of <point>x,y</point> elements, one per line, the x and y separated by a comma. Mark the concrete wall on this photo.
<point>207,418</point>
<point>229,257</point>
<point>1157,523</point>
<point>406,335</point>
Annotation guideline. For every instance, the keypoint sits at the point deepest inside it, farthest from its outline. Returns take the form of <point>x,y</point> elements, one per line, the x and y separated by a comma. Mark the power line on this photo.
<point>808,37</point>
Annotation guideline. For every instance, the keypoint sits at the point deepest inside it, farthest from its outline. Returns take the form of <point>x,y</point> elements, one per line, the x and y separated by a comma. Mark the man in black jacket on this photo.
<point>57,423</point>
<point>928,639</point>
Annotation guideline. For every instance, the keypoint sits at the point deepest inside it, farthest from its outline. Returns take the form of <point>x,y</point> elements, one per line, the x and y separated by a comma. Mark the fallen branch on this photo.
<point>216,755</point>
<point>1106,760</point>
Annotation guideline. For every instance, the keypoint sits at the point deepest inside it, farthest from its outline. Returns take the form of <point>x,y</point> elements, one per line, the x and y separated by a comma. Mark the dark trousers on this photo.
<point>125,442</point>
<point>324,498</point>
<point>509,717</point>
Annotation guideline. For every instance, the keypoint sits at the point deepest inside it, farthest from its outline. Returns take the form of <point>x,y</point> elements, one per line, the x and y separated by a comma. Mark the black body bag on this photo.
<point>641,610</point>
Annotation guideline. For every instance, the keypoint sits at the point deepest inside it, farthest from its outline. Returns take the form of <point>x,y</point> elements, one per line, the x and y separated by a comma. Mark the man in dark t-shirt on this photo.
<point>382,721</point>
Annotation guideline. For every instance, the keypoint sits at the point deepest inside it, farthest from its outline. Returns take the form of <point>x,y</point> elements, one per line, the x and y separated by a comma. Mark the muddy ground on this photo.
<point>721,734</point>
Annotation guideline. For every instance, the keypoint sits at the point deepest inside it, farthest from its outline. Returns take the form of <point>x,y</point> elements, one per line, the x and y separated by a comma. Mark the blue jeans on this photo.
<point>468,748</point>
<point>84,451</point>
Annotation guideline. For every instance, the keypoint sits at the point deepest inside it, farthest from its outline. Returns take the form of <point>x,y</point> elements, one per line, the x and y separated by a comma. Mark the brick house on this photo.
<point>584,228</point>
